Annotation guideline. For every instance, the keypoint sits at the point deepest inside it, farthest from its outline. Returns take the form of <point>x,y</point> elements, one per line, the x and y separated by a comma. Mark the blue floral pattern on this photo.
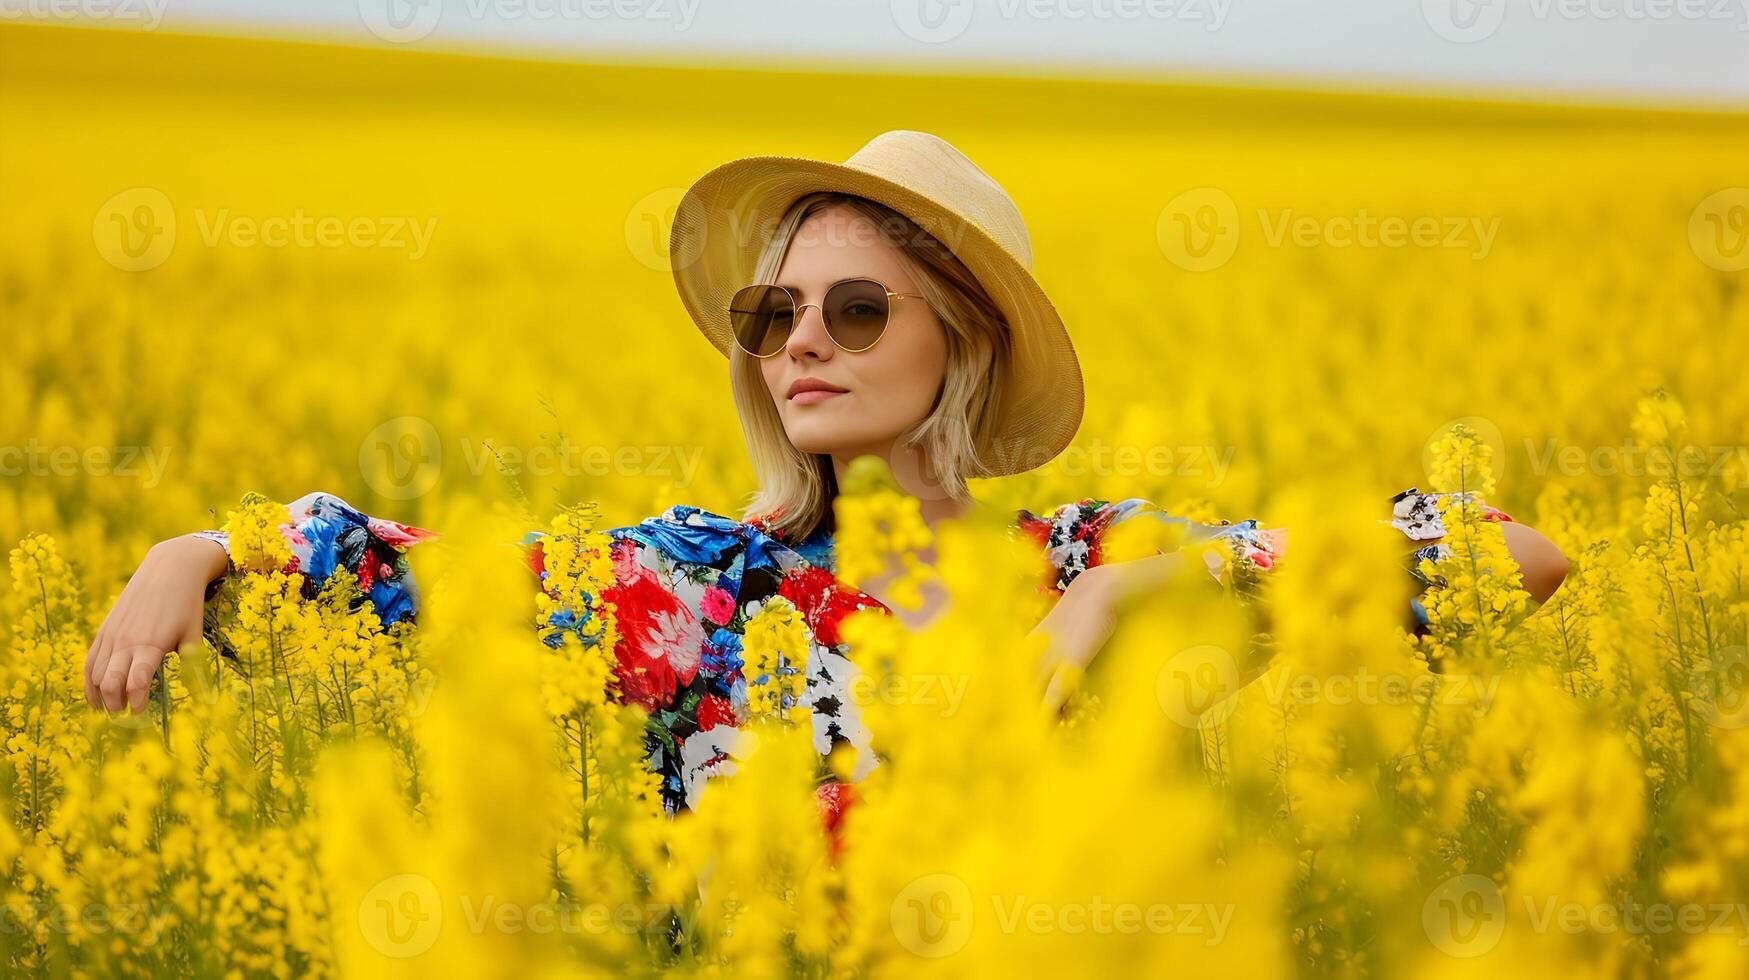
<point>688,581</point>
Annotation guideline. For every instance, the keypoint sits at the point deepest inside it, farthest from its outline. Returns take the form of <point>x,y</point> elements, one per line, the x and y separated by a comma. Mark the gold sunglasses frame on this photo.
<point>799,307</point>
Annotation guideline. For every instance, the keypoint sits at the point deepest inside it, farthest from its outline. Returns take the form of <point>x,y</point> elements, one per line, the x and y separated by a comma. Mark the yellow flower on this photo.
<point>774,651</point>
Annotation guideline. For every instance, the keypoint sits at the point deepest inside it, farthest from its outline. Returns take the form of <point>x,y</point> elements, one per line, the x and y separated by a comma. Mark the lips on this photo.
<point>807,391</point>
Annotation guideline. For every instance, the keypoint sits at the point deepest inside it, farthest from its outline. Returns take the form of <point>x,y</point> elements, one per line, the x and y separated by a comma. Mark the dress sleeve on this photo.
<point>327,534</point>
<point>1416,514</point>
<point>1076,536</point>
<point>564,612</point>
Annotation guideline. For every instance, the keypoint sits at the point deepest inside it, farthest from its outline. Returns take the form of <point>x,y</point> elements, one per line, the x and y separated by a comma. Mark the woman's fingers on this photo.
<point>140,672</point>
<point>1051,627</point>
<point>1062,684</point>
<point>159,610</point>
<point>90,658</point>
<point>95,662</point>
<point>112,681</point>
<point>121,676</point>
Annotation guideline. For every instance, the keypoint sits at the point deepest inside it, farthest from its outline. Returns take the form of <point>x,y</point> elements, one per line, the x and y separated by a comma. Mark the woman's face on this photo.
<point>880,392</point>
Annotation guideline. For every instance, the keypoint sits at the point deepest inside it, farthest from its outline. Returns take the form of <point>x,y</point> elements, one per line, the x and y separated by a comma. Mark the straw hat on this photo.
<point>726,217</point>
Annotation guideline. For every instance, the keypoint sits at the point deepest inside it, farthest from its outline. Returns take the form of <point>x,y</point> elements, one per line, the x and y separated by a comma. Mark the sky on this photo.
<point>1675,52</point>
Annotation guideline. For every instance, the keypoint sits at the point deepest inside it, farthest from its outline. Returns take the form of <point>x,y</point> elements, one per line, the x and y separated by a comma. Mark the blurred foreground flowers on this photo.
<point>1564,791</point>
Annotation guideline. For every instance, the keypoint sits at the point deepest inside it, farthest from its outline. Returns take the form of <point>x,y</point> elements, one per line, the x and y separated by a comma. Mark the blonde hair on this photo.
<point>796,488</point>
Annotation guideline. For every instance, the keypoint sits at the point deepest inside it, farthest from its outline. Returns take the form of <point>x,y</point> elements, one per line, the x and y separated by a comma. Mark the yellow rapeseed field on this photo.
<point>234,272</point>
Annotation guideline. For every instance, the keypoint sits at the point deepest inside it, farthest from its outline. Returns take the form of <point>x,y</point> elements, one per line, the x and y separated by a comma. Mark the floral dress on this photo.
<point>687,582</point>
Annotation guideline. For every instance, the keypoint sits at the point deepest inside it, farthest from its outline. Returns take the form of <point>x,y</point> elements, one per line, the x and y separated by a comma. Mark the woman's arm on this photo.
<point>1080,622</point>
<point>163,605</point>
<point>1084,618</point>
<point>1541,561</point>
<point>160,610</point>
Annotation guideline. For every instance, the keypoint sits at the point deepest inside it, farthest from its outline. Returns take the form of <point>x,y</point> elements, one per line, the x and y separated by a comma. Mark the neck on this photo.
<point>915,479</point>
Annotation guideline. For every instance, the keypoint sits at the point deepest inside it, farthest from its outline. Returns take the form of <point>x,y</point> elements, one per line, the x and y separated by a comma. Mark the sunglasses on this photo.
<point>856,312</point>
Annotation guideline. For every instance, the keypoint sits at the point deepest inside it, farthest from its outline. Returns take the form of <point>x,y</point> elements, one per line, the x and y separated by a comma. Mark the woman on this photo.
<point>883,306</point>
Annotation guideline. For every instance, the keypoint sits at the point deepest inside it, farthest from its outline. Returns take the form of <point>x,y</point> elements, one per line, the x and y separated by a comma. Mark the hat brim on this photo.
<point>726,217</point>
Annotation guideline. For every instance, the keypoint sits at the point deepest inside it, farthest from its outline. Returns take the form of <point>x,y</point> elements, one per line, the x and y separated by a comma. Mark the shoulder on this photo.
<point>685,537</point>
<point>1079,518</point>
<point>326,534</point>
<point>1080,534</point>
<point>330,516</point>
<point>1418,514</point>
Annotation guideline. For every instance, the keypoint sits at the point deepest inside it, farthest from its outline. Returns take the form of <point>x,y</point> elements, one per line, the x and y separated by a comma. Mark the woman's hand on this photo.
<point>1540,561</point>
<point>159,611</point>
<point>1086,614</point>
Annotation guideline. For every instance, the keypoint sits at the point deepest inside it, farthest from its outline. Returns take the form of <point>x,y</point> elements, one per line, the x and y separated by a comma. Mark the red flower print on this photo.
<point>834,800</point>
<point>398,535</point>
<point>1092,531</point>
<point>765,524</point>
<point>718,605</point>
<point>295,537</point>
<point>660,642</point>
<point>1036,527</point>
<point>368,567</point>
<point>823,600</point>
<point>715,710</point>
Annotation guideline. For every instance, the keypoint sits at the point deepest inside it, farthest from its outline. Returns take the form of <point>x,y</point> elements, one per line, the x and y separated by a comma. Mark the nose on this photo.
<point>808,336</point>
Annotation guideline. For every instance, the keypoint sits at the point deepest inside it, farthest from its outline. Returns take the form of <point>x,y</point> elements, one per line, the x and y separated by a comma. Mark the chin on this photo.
<point>822,437</point>
<point>810,441</point>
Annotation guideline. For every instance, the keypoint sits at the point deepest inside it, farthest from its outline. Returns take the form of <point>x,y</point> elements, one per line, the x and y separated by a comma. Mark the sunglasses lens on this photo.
<point>856,313</point>
<point>762,317</point>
